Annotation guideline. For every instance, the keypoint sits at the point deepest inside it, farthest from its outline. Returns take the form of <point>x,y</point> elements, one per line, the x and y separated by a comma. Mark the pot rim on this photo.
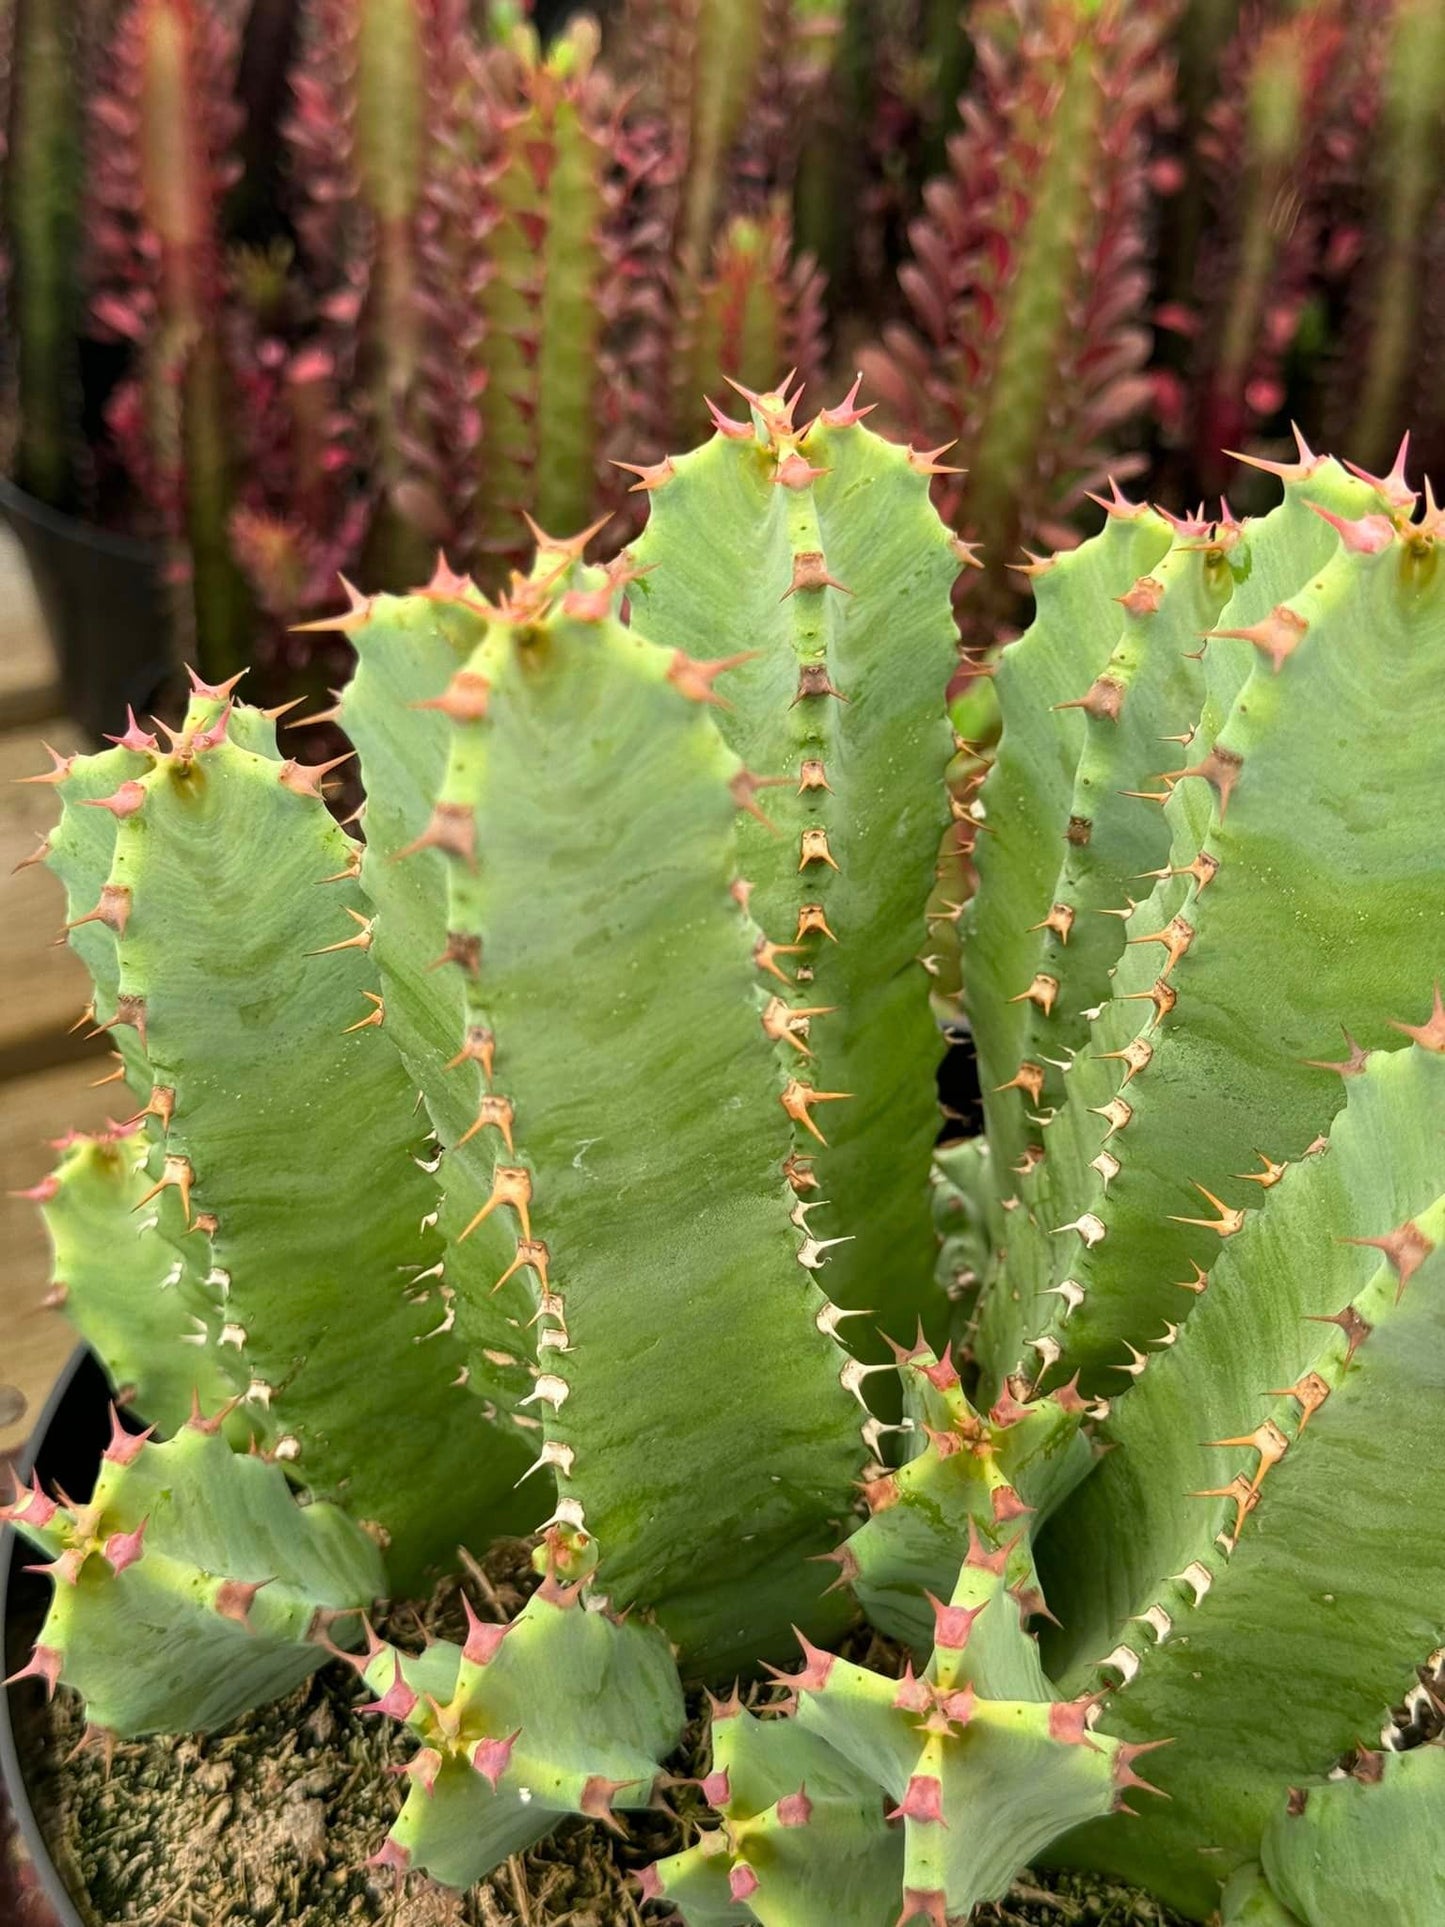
<point>128,548</point>
<point>11,1771</point>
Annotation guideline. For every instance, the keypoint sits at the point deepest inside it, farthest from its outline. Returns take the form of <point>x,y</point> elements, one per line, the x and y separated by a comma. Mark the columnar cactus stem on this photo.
<point>410,681</point>
<point>848,582</point>
<point>1026,282</point>
<point>548,288</point>
<point>1405,170</point>
<point>1073,1233</point>
<point>980,1733</point>
<point>1365,1840</point>
<point>975,1474</point>
<point>131,1276</point>
<point>754,312</point>
<point>238,1021</point>
<point>701,64</point>
<point>384,42</point>
<point>43,178</point>
<point>567,1710</point>
<point>190,1585</point>
<point>1305,1364</point>
<point>1271,125</point>
<point>160,266</point>
<point>722,1296</point>
<point>1026,801</point>
<point>803,1830</point>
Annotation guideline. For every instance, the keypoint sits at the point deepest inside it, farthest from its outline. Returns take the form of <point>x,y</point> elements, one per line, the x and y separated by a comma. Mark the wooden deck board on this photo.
<point>29,680</point>
<point>47,1071</point>
<point>34,1342</point>
<point>44,986</point>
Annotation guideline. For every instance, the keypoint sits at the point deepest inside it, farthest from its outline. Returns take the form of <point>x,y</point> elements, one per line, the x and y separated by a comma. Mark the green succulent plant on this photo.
<point>560,1157</point>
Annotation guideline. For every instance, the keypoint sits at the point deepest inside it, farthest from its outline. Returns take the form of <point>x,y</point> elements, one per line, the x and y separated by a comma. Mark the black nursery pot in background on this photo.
<point>65,1449</point>
<point>105,604</point>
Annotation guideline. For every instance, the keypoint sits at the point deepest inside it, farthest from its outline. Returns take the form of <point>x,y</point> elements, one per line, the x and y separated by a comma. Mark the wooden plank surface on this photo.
<point>35,1342</point>
<point>47,1071</point>
<point>44,986</point>
<point>29,681</point>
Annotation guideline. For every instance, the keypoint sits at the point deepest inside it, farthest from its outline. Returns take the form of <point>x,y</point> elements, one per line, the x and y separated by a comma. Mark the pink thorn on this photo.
<point>1068,1397</point>
<point>598,1793</point>
<point>1008,1505</point>
<point>649,1882</point>
<point>422,1769</point>
<point>558,1595</point>
<point>1124,1774</point>
<point>725,425</point>
<point>327,1616</point>
<point>213,737</point>
<point>483,1637</point>
<point>124,1447</point>
<point>121,803</point>
<point>1117,503</point>
<point>796,471</point>
<point>60,768</point>
<point>727,1709</point>
<point>447,583</point>
<point>490,1758</point>
<point>134,736</point>
<point>1295,471</point>
<point>64,1571</point>
<point>1393,487</point>
<point>991,1561</point>
<point>235,1598</point>
<point>43,1192</point>
<point>1367,536</point>
<point>908,1354</point>
<point>943,1374</point>
<point>213,692</point>
<point>1307,456</point>
<point>390,1854</point>
<point>44,1663</point>
<point>931,1902</point>
<point>952,1624</point>
<point>305,779</point>
<point>122,1549</point>
<point>846,1560</point>
<point>847,412</point>
<point>198,1422</point>
<point>818,1665</point>
<point>923,1801</point>
<point>957,1708</point>
<point>1187,525</point>
<point>1006,1410</point>
<point>717,1788</point>
<point>914,1695</point>
<point>924,461</point>
<point>30,1505</point>
<point>398,1702</point>
<point>742,1882</point>
<point>1069,1721</point>
<point>795,1809</point>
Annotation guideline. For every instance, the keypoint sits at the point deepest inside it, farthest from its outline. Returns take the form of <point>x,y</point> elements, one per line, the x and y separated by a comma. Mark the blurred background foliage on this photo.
<point>294,287</point>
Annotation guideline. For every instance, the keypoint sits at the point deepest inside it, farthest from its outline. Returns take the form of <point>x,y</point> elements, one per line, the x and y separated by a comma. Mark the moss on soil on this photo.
<point>270,1824</point>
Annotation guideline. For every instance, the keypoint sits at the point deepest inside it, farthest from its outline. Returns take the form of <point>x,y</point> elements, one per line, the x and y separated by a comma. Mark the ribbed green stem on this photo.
<point>43,182</point>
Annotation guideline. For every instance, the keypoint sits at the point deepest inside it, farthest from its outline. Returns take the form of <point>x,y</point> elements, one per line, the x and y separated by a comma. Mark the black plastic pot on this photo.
<point>104,601</point>
<point>65,1449</point>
